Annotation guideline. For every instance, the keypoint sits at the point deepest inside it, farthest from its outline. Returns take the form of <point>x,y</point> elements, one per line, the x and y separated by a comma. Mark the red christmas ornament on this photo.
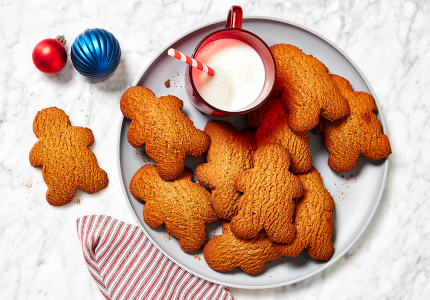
<point>50,55</point>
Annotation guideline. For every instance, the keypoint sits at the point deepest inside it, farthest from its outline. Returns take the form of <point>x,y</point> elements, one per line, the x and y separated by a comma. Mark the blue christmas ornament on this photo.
<point>95,53</point>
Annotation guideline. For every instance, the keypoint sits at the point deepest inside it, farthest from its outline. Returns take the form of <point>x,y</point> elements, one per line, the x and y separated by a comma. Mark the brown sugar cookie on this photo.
<point>182,205</point>
<point>225,252</point>
<point>67,164</point>
<point>230,153</point>
<point>274,129</point>
<point>255,117</point>
<point>359,133</point>
<point>267,202</point>
<point>307,89</point>
<point>159,123</point>
<point>313,220</point>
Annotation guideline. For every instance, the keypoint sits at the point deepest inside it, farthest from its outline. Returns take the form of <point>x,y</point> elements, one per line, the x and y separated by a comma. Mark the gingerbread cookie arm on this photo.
<point>151,218</point>
<point>86,134</point>
<point>172,101</point>
<point>36,156</point>
<point>136,134</point>
<point>376,145</point>
<point>242,180</point>
<point>199,142</point>
<point>168,163</point>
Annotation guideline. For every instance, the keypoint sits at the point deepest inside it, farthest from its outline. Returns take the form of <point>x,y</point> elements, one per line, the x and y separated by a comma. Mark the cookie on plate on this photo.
<point>230,153</point>
<point>158,123</point>
<point>62,151</point>
<point>182,205</point>
<point>359,133</point>
<point>274,128</point>
<point>307,89</point>
<point>313,220</point>
<point>225,252</point>
<point>268,200</point>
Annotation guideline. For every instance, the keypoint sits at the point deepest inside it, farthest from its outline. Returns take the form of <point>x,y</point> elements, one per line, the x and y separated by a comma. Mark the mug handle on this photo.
<point>234,17</point>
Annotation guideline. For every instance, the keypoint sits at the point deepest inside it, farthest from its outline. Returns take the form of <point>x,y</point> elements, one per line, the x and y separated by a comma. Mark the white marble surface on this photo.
<point>40,256</point>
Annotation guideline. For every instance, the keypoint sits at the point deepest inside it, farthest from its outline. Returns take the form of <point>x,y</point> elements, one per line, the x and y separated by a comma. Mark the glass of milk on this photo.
<point>245,70</point>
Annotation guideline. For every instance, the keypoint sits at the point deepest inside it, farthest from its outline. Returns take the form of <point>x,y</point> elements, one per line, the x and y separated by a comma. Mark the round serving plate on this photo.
<point>356,193</point>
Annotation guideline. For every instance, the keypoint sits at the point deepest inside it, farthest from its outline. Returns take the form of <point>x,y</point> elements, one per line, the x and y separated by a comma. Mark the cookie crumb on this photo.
<point>167,83</point>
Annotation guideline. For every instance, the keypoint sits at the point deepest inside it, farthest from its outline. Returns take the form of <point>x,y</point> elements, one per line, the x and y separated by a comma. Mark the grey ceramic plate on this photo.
<point>356,193</point>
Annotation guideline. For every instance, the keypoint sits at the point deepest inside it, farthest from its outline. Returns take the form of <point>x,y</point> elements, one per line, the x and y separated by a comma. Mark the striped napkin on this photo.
<point>126,265</point>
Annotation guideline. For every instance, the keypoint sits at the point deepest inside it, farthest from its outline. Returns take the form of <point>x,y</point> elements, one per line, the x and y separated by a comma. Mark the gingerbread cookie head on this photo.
<point>67,162</point>
<point>268,200</point>
<point>307,90</point>
<point>275,129</point>
<point>226,252</point>
<point>230,153</point>
<point>359,133</point>
<point>182,205</point>
<point>50,121</point>
<point>313,220</point>
<point>158,123</point>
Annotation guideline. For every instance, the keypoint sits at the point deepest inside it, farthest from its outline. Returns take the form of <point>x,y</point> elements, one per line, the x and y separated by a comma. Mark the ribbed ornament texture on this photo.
<point>95,53</point>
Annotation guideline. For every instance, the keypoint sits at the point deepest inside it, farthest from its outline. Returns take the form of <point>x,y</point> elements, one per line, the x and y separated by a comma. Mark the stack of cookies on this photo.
<point>260,181</point>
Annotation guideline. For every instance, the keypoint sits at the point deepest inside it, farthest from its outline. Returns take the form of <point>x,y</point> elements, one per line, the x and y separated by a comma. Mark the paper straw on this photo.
<point>192,62</point>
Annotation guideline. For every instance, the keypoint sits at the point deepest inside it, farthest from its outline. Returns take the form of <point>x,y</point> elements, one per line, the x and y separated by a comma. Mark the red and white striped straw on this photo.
<point>192,62</point>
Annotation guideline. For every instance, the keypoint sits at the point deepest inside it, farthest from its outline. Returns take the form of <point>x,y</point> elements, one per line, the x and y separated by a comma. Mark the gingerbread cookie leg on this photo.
<point>342,159</point>
<point>168,164</point>
<point>59,191</point>
<point>322,248</point>
<point>95,182</point>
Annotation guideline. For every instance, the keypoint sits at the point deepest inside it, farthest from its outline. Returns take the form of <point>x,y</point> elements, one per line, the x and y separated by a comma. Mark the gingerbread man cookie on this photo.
<point>359,133</point>
<point>158,123</point>
<point>62,152</point>
<point>268,200</point>
<point>182,205</point>
<point>307,89</point>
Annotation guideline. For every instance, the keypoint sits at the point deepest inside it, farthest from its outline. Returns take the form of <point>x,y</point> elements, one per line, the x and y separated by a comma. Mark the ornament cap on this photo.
<point>61,39</point>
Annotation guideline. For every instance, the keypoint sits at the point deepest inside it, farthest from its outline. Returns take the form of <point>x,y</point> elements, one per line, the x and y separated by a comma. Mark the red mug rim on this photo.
<point>224,111</point>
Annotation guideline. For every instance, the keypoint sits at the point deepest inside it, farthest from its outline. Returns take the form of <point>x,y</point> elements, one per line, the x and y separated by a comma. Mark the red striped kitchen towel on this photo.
<point>126,265</point>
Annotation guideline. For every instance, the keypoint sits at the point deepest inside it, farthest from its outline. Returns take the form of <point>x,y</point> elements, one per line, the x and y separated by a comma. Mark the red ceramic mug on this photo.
<point>233,30</point>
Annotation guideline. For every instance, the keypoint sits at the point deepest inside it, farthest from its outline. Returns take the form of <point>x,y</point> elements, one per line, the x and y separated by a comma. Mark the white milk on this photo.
<point>239,74</point>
